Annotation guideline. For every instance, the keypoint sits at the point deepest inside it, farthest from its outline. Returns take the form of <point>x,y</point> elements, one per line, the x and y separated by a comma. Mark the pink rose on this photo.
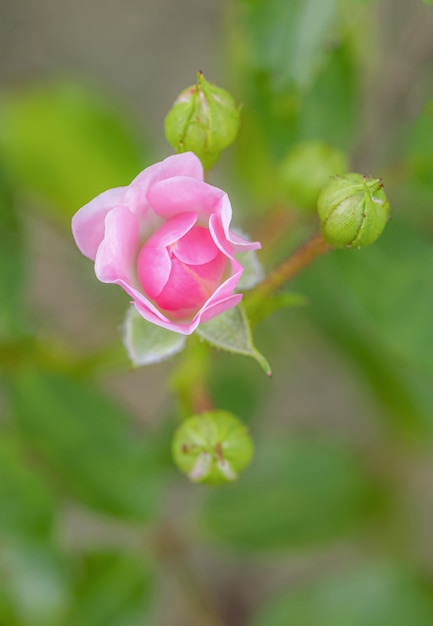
<point>165,239</point>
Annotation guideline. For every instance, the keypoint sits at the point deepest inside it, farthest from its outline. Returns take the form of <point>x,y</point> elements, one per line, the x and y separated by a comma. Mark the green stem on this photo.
<point>301,258</point>
<point>189,381</point>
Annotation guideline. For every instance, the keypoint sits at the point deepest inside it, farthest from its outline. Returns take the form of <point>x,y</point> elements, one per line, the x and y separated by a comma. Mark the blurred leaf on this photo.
<point>329,110</point>
<point>66,142</point>
<point>37,583</point>
<point>418,148</point>
<point>297,492</point>
<point>377,308</point>
<point>26,505</point>
<point>411,155</point>
<point>377,595</point>
<point>237,388</point>
<point>83,436</point>
<point>113,589</point>
<point>7,617</point>
<point>147,343</point>
<point>288,38</point>
<point>12,264</point>
<point>258,310</point>
<point>230,331</point>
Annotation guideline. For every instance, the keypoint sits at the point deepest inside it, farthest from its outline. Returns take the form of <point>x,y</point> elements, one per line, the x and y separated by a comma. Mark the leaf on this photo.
<point>375,309</point>
<point>287,38</point>
<point>259,309</point>
<point>380,594</point>
<point>239,390</point>
<point>27,506</point>
<point>37,583</point>
<point>147,343</point>
<point>113,589</point>
<point>330,109</point>
<point>84,437</point>
<point>12,265</point>
<point>230,331</point>
<point>298,492</point>
<point>66,142</point>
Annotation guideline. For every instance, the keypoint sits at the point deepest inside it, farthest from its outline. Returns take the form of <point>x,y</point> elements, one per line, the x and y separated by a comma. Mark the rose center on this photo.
<point>181,275</point>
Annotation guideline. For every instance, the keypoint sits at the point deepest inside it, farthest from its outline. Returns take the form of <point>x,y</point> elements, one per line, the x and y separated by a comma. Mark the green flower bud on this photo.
<point>353,210</point>
<point>212,448</point>
<point>307,169</point>
<point>204,119</point>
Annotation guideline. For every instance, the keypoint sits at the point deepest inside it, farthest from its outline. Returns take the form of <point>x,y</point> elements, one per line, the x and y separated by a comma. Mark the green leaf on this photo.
<point>37,583</point>
<point>417,147</point>
<point>297,492</point>
<point>288,38</point>
<point>237,388</point>
<point>113,589</point>
<point>330,109</point>
<point>375,309</point>
<point>26,505</point>
<point>84,437</point>
<point>147,343</point>
<point>258,309</point>
<point>66,142</point>
<point>7,616</point>
<point>12,265</point>
<point>381,594</point>
<point>230,331</point>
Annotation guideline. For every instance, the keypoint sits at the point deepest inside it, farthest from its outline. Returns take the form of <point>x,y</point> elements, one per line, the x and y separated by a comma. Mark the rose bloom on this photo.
<point>166,240</point>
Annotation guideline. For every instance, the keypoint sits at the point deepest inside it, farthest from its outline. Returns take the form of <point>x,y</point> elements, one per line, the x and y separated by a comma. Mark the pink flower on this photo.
<point>166,240</point>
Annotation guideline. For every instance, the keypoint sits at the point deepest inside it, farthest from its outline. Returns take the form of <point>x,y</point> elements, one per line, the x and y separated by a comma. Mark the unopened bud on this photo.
<point>353,210</point>
<point>204,119</point>
<point>212,448</point>
<point>307,169</point>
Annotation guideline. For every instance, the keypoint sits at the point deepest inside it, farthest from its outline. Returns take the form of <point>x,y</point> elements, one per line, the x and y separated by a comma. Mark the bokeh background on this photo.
<point>332,524</point>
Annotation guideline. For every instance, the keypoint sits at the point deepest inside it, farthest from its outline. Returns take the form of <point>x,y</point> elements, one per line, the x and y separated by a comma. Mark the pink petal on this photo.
<point>196,247</point>
<point>153,268</point>
<point>189,287</point>
<point>179,194</point>
<point>142,303</point>
<point>172,230</point>
<point>185,328</point>
<point>227,288</point>
<point>88,224</point>
<point>116,254</point>
<point>223,218</point>
<point>176,327</point>
<point>185,164</point>
<point>209,312</point>
<point>154,264</point>
<point>241,244</point>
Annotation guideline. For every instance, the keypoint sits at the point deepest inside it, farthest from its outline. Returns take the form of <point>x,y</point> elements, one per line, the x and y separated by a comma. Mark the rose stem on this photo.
<point>302,257</point>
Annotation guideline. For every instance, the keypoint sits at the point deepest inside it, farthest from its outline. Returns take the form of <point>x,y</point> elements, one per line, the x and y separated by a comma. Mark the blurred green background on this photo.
<point>331,525</point>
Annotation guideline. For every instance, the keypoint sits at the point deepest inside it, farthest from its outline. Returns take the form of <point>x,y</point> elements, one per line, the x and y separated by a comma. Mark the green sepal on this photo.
<point>147,343</point>
<point>231,331</point>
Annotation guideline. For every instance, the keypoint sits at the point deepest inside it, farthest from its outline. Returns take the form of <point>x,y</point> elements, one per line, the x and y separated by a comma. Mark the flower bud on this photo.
<point>306,170</point>
<point>353,210</point>
<point>204,119</point>
<point>212,448</point>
